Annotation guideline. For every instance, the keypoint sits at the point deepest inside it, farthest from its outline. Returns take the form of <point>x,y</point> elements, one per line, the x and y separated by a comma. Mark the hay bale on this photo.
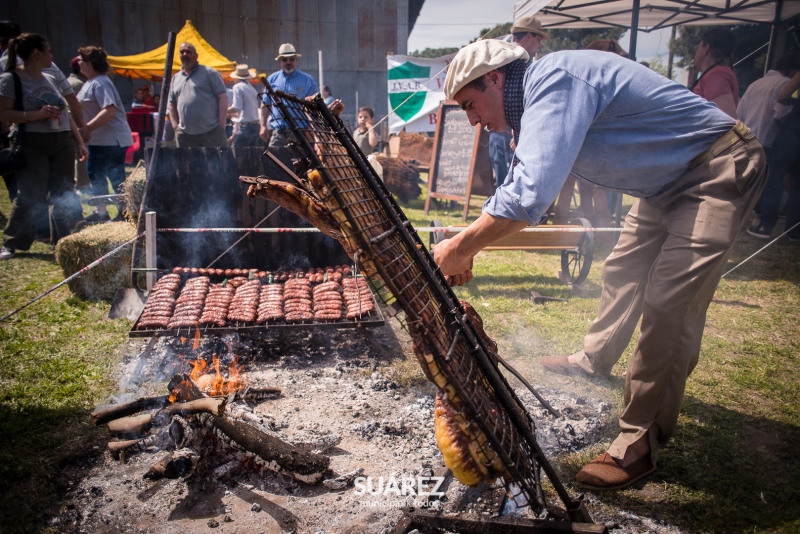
<point>132,191</point>
<point>416,146</point>
<point>401,177</point>
<point>76,251</point>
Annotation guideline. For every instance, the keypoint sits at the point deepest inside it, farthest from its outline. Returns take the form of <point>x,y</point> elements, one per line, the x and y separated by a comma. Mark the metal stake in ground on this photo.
<point>86,269</point>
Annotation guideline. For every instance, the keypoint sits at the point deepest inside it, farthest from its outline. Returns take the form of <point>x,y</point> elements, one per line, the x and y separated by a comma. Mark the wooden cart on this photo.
<point>576,246</point>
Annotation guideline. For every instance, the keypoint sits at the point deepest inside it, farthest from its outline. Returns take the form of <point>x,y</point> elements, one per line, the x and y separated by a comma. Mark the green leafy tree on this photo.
<point>657,65</point>
<point>433,52</point>
<point>559,39</point>
<point>577,39</point>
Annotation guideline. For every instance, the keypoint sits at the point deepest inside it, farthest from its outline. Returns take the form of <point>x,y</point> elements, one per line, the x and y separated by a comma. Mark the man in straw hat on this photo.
<point>291,81</point>
<point>527,32</point>
<point>696,174</point>
<point>198,103</point>
<point>244,104</point>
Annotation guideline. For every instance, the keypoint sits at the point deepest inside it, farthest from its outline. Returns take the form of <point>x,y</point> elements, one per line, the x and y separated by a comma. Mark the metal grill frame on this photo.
<point>461,354</point>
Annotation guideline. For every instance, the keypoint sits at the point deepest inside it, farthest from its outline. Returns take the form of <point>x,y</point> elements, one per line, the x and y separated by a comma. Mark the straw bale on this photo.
<point>132,190</point>
<point>76,251</point>
<point>401,177</point>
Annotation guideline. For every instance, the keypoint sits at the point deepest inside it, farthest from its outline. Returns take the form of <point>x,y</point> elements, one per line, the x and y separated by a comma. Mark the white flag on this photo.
<point>416,86</point>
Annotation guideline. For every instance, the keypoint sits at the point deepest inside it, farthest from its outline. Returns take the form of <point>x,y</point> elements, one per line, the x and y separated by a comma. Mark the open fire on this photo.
<point>213,383</point>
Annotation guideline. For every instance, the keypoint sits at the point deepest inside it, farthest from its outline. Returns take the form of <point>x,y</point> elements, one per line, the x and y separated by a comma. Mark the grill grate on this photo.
<point>417,294</point>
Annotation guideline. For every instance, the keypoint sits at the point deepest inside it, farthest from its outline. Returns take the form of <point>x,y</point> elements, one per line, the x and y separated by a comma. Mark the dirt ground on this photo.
<point>338,386</point>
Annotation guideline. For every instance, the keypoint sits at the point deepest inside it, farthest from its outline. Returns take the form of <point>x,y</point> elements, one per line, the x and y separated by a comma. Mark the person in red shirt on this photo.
<point>717,83</point>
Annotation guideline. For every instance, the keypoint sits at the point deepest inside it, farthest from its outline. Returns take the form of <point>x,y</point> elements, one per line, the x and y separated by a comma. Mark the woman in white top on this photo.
<point>106,133</point>
<point>49,146</point>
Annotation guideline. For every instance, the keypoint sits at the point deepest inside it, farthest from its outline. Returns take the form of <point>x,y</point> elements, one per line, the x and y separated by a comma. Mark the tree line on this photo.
<point>749,57</point>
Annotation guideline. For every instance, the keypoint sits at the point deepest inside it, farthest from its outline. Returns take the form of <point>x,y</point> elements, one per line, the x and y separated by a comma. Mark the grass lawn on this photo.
<point>731,467</point>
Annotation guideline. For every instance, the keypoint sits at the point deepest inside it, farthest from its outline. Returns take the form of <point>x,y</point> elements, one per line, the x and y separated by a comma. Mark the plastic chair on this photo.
<point>132,149</point>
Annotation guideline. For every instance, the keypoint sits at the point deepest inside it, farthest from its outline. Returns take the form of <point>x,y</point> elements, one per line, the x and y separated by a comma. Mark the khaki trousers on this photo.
<point>665,268</point>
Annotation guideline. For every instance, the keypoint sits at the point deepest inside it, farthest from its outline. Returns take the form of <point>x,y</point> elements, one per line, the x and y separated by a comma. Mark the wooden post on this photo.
<point>150,248</point>
<point>151,168</point>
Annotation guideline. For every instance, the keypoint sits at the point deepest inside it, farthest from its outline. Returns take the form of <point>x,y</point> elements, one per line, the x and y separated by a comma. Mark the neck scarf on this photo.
<point>513,95</point>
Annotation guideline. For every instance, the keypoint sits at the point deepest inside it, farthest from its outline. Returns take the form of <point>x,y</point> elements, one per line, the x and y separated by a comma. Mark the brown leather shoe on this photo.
<point>604,473</point>
<point>562,365</point>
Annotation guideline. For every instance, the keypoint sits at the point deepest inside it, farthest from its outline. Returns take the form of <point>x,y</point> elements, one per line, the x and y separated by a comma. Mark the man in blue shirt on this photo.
<point>696,174</point>
<point>291,81</point>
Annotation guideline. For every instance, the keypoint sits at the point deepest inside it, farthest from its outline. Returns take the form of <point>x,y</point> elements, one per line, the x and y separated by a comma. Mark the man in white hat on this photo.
<point>528,33</point>
<point>291,81</point>
<point>198,103</point>
<point>244,104</point>
<point>696,174</point>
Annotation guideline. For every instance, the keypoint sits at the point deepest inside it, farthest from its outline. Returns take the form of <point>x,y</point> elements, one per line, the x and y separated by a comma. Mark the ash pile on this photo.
<point>328,394</point>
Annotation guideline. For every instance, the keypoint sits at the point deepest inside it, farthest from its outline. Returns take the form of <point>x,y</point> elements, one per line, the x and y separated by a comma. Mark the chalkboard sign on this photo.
<point>456,145</point>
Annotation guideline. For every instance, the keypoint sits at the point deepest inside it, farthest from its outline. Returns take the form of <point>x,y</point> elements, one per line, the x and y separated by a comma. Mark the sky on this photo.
<point>454,23</point>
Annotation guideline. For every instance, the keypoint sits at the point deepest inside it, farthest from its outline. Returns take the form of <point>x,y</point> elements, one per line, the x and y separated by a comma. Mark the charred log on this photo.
<point>184,388</point>
<point>259,394</point>
<point>279,456</point>
<point>140,424</point>
<point>104,415</point>
<point>173,465</point>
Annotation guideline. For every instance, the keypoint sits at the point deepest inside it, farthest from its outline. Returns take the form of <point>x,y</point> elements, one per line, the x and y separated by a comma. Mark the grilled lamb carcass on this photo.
<point>296,200</point>
<point>303,204</point>
<point>466,449</point>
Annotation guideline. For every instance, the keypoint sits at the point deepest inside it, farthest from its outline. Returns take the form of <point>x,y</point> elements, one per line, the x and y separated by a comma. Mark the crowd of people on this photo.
<point>74,133</point>
<point>694,160</point>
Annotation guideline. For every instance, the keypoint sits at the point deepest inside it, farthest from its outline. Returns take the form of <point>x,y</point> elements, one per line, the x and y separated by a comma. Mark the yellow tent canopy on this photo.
<point>150,65</point>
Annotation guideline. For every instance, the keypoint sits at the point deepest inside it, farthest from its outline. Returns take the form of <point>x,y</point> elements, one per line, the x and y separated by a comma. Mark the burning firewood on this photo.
<point>140,424</point>
<point>183,388</point>
<point>120,449</point>
<point>278,455</point>
<point>105,415</point>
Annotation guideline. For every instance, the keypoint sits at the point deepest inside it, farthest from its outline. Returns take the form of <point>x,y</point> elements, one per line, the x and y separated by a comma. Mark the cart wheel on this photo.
<point>576,263</point>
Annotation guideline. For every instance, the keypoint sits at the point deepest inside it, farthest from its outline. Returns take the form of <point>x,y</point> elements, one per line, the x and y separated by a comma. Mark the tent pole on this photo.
<point>634,29</point>
<point>773,35</point>
<point>671,54</point>
<point>151,168</point>
<point>321,82</point>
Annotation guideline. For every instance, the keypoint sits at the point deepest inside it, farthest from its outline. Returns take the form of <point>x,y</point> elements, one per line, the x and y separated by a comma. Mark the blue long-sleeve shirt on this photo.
<point>607,120</point>
<point>298,84</point>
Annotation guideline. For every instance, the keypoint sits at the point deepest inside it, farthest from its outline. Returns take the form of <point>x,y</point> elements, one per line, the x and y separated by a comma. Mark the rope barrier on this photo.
<point>86,269</point>
<point>240,239</point>
<point>757,252</point>
<point>432,229</point>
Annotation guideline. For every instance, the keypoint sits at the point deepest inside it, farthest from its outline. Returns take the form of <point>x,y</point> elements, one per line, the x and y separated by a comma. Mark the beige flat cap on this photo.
<point>529,24</point>
<point>478,58</point>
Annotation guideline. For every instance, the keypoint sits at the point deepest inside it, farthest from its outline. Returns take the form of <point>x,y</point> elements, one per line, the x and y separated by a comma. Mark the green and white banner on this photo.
<point>415,90</point>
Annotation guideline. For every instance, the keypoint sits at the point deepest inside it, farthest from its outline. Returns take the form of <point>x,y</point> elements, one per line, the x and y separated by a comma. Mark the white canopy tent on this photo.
<point>651,15</point>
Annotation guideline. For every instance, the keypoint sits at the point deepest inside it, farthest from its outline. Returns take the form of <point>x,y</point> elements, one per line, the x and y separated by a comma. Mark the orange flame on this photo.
<point>215,384</point>
<point>199,366</point>
<point>236,378</point>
